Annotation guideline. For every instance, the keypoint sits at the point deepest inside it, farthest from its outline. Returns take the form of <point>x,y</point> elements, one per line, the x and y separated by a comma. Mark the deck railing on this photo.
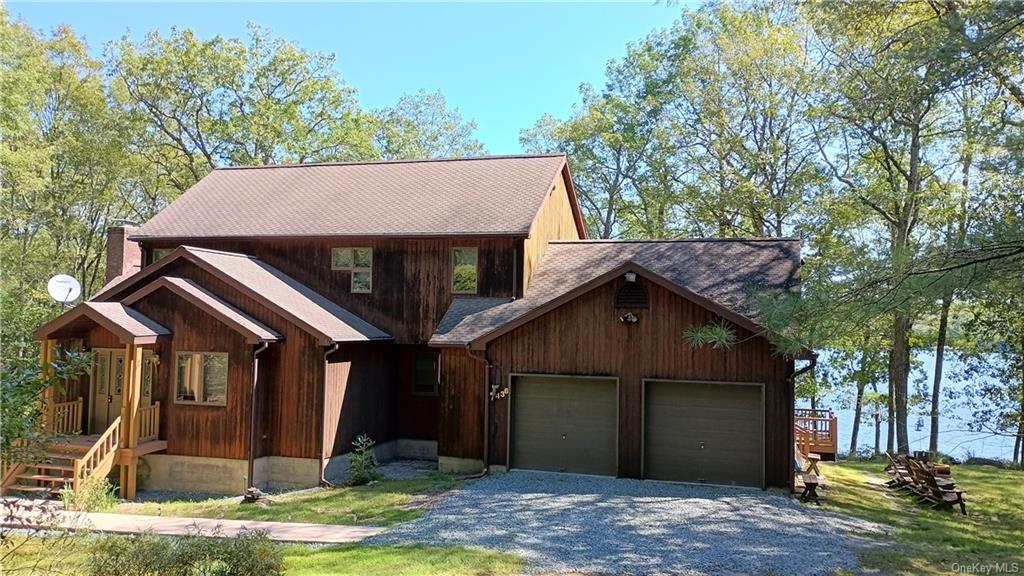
<point>100,459</point>
<point>66,417</point>
<point>148,421</point>
<point>815,431</point>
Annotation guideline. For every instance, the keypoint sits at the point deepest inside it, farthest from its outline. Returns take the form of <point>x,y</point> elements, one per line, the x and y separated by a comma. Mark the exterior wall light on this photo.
<point>629,318</point>
<point>630,276</point>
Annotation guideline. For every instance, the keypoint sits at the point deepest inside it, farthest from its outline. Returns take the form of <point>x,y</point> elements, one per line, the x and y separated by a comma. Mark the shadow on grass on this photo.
<point>931,541</point>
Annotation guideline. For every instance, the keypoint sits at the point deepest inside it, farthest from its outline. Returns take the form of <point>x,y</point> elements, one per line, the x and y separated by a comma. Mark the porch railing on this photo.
<point>815,431</point>
<point>66,417</point>
<point>148,421</point>
<point>100,459</point>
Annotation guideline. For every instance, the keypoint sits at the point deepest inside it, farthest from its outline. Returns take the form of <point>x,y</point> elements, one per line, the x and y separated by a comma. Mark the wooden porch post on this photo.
<point>130,397</point>
<point>45,358</point>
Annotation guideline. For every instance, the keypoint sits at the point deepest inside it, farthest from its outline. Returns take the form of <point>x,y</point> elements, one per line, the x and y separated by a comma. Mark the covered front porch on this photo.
<point>106,419</point>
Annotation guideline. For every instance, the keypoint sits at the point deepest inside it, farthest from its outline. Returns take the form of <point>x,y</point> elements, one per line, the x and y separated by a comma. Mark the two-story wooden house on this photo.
<point>449,309</point>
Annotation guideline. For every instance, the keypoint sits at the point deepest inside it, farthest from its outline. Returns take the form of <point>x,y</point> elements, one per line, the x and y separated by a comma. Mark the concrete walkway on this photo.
<point>135,524</point>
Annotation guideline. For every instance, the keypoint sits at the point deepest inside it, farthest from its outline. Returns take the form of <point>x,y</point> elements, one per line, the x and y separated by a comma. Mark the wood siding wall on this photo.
<point>192,429</point>
<point>462,405</point>
<point>554,221</point>
<point>358,397</point>
<point>291,372</point>
<point>585,337</point>
<point>412,278</point>
<point>418,414</point>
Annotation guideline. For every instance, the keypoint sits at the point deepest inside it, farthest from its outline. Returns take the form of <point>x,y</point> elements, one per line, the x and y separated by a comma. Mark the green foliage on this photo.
<point>420,125</point>
<point>718,334</point>
<point>23,380</point>
<point>362,461</point>
<point>464,278</point>
<point>251,553</point>
<point>93,495</point>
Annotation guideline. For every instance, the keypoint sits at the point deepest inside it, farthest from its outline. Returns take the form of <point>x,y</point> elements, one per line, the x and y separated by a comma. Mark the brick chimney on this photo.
<point>123,255</point>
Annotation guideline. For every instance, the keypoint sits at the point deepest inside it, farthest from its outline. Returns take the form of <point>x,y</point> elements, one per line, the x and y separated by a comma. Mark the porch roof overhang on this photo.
<point>129,325</point>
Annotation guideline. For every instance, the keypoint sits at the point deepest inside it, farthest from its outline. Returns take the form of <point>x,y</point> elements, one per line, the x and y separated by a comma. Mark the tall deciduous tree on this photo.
<point>421,125</point>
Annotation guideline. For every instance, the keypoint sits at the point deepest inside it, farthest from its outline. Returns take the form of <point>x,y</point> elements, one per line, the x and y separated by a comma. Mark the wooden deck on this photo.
<point>816,431</point>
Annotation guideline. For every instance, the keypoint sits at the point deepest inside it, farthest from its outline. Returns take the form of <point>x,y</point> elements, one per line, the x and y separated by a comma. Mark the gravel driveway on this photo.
<point>569,523</point>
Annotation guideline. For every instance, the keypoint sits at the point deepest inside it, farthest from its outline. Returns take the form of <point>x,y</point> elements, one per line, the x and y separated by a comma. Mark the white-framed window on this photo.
<point>202,378</point>
<point>464,270</point>
<point>358,261</point>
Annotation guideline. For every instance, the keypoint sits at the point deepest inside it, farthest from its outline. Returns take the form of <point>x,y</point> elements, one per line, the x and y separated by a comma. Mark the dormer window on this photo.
<point>358,261</point>
<point>464,270</point>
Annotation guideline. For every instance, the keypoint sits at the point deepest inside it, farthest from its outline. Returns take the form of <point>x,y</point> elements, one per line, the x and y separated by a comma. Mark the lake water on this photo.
<point>954,437</point>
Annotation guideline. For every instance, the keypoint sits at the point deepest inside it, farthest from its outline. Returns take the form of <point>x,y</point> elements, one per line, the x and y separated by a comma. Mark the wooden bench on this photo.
<point>810,492</point>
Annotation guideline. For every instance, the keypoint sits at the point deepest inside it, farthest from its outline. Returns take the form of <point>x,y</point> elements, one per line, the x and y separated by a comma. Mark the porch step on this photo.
<point>44,478</point>
<point>54,455</point>
<point>49,466</point>
<point>37,489</point>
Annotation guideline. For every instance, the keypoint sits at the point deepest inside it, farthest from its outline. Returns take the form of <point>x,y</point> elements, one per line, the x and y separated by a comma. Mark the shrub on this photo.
<point>93,495</point>
<point>362,462</point>
<point>251,553</point>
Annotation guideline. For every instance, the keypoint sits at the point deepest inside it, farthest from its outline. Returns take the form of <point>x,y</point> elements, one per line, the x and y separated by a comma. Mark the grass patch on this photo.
<point>382,503</point>
<point>931,541</point>
<point>37,556</point>
<point>398,561</point>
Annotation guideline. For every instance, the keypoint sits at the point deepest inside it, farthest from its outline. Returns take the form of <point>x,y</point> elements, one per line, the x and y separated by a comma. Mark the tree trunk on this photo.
<point>858,409</point>
<point>856,417</point>
<point>878,426</point>
<point>899,373</point>
<point>889,428</point>
<point>940,351</point>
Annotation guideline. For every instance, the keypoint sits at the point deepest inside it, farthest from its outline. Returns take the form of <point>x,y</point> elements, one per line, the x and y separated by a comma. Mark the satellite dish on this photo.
<point>64,288</point>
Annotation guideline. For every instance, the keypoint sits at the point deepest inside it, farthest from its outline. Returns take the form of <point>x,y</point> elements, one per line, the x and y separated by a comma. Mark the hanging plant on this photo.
<point>717,334</point>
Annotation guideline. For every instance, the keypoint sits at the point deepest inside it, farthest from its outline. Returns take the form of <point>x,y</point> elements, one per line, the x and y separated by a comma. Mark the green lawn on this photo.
<point>927,541</point>
<point>379,504</point>
<point>39,557</point>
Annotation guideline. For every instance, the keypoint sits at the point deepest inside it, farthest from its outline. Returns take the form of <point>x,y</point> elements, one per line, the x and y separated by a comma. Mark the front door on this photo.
<point>108,386</point>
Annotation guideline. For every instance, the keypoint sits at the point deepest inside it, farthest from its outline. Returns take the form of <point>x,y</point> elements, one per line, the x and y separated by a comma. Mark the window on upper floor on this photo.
<point>426,375</point>
<point>159,253</point>
<point>358,261</point>
<point>202,378</point>
<point>464,270</point>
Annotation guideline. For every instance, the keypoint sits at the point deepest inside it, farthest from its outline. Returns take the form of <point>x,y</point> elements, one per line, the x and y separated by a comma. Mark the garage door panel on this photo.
<point>564,424</point>
<point>703,432</point>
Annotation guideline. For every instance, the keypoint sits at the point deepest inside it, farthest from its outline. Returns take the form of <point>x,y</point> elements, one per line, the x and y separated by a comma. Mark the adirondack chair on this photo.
<point>900,476</point>
<point>940,493</point>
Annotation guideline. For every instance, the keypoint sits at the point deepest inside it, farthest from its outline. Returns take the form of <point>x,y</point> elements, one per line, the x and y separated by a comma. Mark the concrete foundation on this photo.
<point>283,472</point>
<point>454,465</point>
<point>192,474</point>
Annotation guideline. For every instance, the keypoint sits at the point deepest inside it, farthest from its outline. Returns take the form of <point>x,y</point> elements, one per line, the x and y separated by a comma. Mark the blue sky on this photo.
<point>503,65</point>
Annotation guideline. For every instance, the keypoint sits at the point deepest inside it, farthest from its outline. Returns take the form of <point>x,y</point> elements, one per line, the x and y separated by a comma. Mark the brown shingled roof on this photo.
<point>719,273</point>
<point>497,195</point>
<point>288,297</point>
<point>254,330</point>
<point>126,323</point>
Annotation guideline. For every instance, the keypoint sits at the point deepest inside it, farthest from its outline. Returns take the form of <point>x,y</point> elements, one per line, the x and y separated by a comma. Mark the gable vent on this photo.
<point>631,295</point>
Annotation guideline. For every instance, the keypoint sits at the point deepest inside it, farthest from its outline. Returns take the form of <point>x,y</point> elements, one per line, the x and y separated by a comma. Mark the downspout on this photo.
<point>487,409</point>
<point>323,406</point>
<point>252,410</point>
<point>792,441</point>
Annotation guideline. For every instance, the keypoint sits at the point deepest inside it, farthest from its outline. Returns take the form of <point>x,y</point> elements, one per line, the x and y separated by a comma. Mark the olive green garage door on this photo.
<point>564,424</point>
<point>704,432</point>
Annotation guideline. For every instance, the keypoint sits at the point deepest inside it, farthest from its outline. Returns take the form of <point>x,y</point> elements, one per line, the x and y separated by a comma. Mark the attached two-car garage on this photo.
<point>692,431</point>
